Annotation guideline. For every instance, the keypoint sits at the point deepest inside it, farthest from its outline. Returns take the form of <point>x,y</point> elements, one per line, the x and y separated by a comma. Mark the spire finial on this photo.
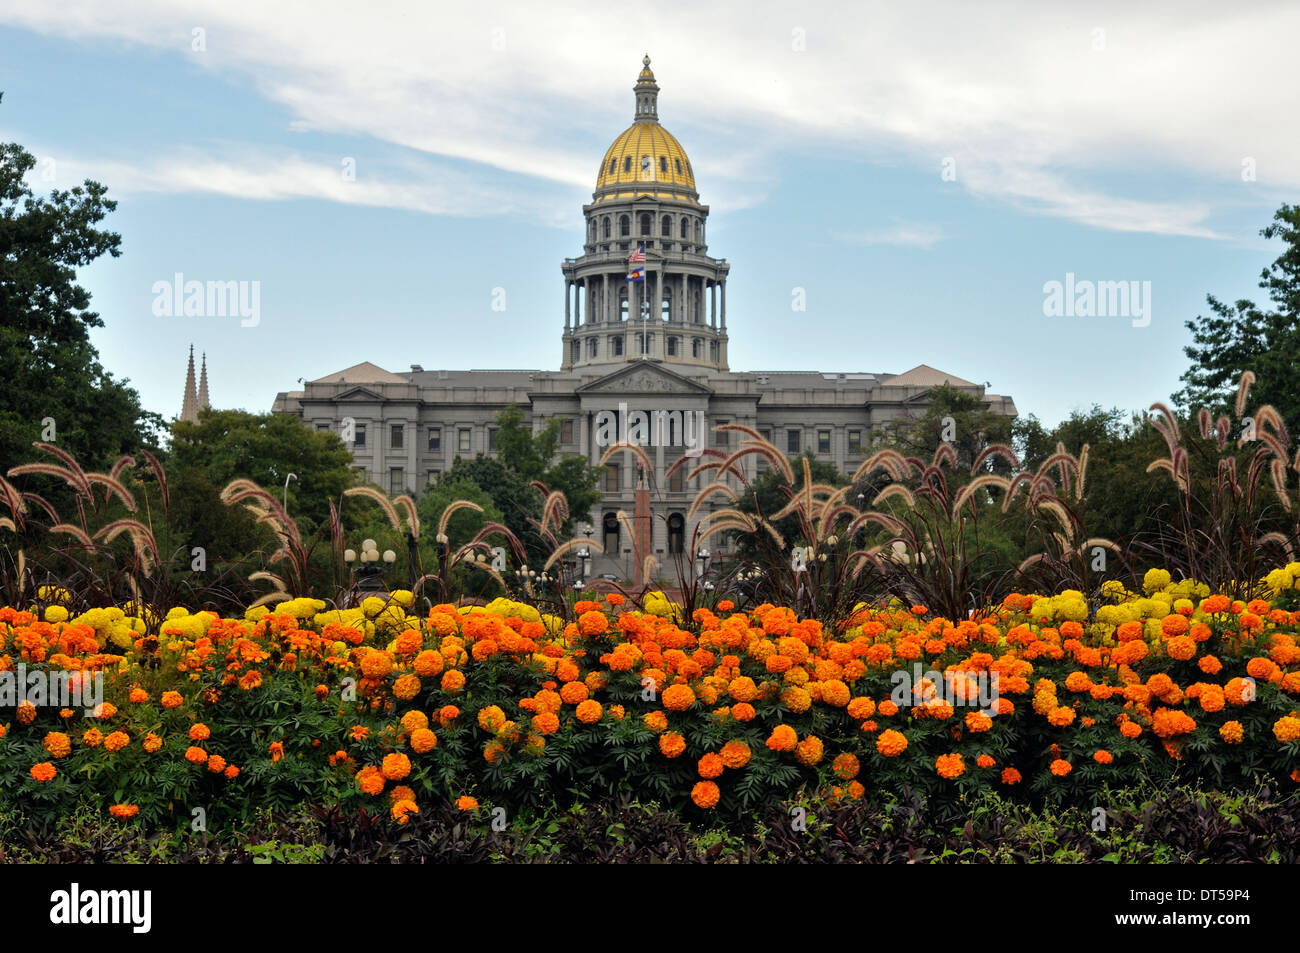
<point>647,93</point>
<point>646,61</point>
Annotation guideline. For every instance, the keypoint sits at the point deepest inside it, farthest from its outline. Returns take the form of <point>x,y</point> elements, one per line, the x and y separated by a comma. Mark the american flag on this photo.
<point>637,257</point>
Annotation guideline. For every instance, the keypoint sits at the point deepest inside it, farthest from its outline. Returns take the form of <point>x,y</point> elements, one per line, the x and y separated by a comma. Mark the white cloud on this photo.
<point>1033,112</point>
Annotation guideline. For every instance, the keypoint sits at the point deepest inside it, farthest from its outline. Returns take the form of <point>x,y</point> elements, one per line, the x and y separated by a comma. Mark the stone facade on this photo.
<point>620,356</point>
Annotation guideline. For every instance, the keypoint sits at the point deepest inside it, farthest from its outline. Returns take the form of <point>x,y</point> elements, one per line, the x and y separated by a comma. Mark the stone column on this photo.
<point>724,304</point>
<point>713,306</point>
<point>567,286</point>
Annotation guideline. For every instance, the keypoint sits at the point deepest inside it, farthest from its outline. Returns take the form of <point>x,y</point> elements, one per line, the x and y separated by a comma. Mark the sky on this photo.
<point>917,173</point>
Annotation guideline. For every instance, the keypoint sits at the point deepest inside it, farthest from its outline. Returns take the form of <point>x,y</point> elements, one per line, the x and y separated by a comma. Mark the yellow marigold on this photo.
<point>588,712</point>
<point>58,744</point>
<point>1232,732</point>
<point>710,766</point>
<point>677,697</point>
<point>196,755</point>
<point>116,741</point>
<point>950,766</point>
<point>846,766</point>
<point>891,743</point>
<point>705,794</point>
<point>671,744</point>
<point>171,700</point>
<point>423,741</point>
<point>783,738</point>
<point>735,754</point>
<point>809,751</point>
<point>796,699</point>
<point>199,732</point>
<point>1061,767</point>
<point>1287,728</point>
<point>491,718</point>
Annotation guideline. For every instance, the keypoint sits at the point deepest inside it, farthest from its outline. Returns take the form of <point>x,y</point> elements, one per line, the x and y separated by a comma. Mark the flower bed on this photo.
<point>723,712</point>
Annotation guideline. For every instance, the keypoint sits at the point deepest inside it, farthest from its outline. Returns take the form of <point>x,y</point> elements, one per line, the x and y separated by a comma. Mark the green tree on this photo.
<point>767,495</point>
<point>533,457</point>
<point>464,524</point>
<point>49,367</point>
<point>951,416</point>
<point>265,448</point>
<point>1242,337</point>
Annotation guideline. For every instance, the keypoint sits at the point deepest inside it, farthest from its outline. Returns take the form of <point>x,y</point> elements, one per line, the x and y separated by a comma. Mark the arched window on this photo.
<point>672,347</point>
<point>627,163</point>
<point>575,350</point>
<point>679,166</point>
<point>622,304</point>
<point>616,345</point>
<point>685,226</point>
<point>613,163</point>
<point>666,227</point>
<point>663,165</point>
<point>592,346</point>
<point>676,533</point>
<point>607,226</point>
<point>645,223</point>
<point>697,347</point>
<point>609,533</point>
<point>624,226</point>
<point>666,310</point>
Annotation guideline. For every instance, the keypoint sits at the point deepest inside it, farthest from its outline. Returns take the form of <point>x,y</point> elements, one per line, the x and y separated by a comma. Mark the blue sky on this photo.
<point>1101,141</point>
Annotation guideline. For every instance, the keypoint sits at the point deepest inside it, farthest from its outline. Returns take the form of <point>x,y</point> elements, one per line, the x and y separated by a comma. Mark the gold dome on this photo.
<point>645,154</point>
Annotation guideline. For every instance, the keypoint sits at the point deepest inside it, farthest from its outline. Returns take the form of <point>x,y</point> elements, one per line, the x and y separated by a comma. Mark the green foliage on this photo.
<point>1242,337</point>
<point>49,367</point>
<point>230,444</point>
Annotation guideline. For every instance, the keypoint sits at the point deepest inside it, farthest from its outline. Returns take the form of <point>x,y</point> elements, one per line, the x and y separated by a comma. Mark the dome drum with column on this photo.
<point>645,193</point>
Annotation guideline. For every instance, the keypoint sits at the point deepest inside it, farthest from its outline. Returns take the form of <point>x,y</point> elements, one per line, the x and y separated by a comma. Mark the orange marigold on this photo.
<point>710,766</point>
<point>1061,767</point>
<point>705,794</point>
<point>950,766</point>
<point>676,697</point>
<point>846,766</point>
<point>783,738</point>
<point>891,743</point>
<point>735,754</point>
<point>423,741</point>
<point>171,699</point>
<point>671,744</point>
<point>44,771</point>
<point>588,712</point>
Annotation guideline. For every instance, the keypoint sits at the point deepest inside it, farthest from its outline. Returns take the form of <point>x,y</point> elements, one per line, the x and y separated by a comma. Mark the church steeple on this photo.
<point>203,385</point>
<point>190,404</point>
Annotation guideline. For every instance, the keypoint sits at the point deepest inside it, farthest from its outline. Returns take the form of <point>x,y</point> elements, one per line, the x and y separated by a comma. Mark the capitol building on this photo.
<point>656,345</point>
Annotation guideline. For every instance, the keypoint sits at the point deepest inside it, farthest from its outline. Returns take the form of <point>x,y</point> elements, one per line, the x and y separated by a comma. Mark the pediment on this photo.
<point>358,393</point>
<point>643,377</point>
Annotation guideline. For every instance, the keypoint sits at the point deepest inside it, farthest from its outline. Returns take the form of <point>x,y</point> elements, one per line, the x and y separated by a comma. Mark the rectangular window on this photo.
<point>398,434</point>
<point>432,477</point>
<point>823,441</point>
<point>677,480</point>
<point>492,438</point>
<point>566,431</point>
<point>396,481</point>
<point>765,433</point>
<point>855,441</point>
<point>323,427</point>
<point>462,440</point>
<point>722,438</point>
<point>435,439</point>
<point>792,441</point>
<point>359,435</point>
<point>611,479</point>
<point>360,473</point>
